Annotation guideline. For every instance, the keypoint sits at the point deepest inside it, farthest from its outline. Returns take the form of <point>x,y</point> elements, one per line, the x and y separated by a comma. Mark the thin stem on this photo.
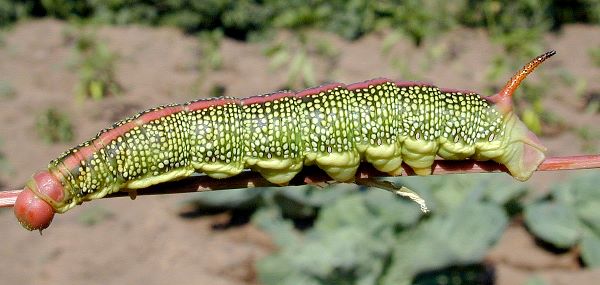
<point>8,198</point>
<point>312,175</point>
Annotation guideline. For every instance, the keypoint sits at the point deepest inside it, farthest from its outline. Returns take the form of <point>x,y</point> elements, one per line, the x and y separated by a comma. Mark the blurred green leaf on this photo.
<point>350,211</point>
<point>590,250</point>
<point>570,215</point>
<point>210,50</point>
<point>345,256</point>
<point>457,275</point>
<point>535,280</point>
<point>304,202</point>
<point>462,237</point>
<point>7,90</point>
<point>94,64</point>
<point>362,236</point>
<point>226,200</point>
<point>4,165</point>
<point>532,120</point>
<point>271,221</point>
<point>54,126</point>
<point>391,209</point>
<point>554,223</point>
<point>516,24</point>
<point>297,55</point>
<point>594,54</point>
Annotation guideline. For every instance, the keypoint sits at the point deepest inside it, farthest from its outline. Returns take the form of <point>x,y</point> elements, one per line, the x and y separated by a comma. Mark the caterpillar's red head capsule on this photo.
<point>32,211</point>
<point>524,152</point>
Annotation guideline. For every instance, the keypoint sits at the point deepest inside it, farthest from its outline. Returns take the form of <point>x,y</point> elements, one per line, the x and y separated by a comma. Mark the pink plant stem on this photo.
<point>8,198</point>
<point>311,175</point>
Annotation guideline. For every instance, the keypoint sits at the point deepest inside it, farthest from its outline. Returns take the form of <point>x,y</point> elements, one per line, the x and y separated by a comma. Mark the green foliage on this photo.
<point>517,25</point>
<point>461,237</point>
<point>554,222</point>
<point>348,244</point>
<point>578,84</point>
<point>227,200</point>
<point>595,54</point>
<point>217,90</point>
<point>53,126</point>
<point>533,113</point>
<point>511,21</point>
<point>210,54</point>
<point>292,202</point>
<point>297,55</point>
<point>592,102</point>
<point>4,165</point>
<point>422,19</point>
<point>569,216</point>
<point>435,54</point>
<point>589,139</point>
<point>94,65</point>
<point>12,11</point>
<point>374,236</point>
<point>591,10</point>
<point>6,90</point>
<point>535,280</point>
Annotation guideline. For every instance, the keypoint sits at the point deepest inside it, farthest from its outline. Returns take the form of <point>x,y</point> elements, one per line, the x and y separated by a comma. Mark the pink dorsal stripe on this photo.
<point>71,162</point>
<point>115,133</point>
<point>317,90</point>
<point>158,113</point>
<point>367,83</point>
<point>203,104</point>
<point>413,83</point>
<point>266,98</point>
<point>74,160</point>
<point>453,90</point>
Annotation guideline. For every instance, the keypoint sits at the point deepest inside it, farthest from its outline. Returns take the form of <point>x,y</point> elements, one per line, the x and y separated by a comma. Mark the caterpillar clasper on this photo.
<point>334,126</point>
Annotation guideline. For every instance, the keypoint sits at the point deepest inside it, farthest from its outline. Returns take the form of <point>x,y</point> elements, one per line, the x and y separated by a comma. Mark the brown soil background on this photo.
<point>145,241</point>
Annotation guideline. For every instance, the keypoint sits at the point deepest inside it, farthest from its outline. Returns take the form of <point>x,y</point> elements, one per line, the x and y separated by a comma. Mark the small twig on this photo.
<point>312,175</point>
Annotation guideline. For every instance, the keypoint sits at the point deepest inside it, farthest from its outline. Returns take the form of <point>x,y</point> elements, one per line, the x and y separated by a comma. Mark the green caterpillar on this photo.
<point>334,126</point>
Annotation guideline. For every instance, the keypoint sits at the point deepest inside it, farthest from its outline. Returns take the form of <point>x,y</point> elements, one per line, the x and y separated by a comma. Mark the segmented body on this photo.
<point>333,126</point>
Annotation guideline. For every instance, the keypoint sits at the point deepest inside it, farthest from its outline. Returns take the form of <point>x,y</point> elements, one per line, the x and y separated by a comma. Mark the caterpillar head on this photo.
<point>523,152</point>
<point>32,211</point>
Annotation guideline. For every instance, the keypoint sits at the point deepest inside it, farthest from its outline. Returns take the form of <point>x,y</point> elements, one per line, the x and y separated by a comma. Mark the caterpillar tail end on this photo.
<point>522,151</point>
<point>32,211</point>
<point>523,158</point>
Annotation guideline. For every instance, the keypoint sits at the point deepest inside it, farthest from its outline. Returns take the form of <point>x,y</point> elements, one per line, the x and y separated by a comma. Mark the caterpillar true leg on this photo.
<point>334,126</point>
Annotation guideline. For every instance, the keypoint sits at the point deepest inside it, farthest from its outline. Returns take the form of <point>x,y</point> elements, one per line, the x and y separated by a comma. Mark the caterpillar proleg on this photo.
<point>334,126</point>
